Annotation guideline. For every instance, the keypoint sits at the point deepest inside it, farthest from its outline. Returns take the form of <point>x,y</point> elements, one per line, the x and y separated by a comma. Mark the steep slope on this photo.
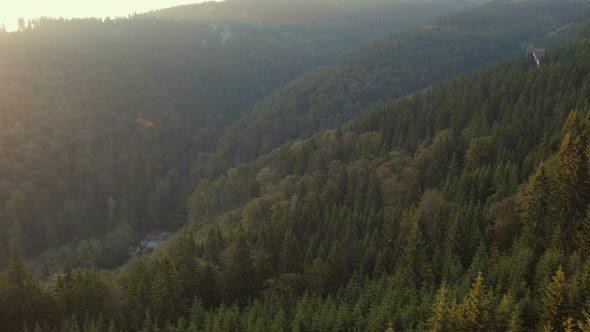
<point>96,117</point>
<point>428,189</point>
<point>417,216</point>
<point>100,121</point>
<point>388,68</point>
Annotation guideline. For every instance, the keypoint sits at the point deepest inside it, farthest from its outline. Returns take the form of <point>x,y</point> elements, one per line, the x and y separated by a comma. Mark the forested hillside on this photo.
<point>359,196</point>
<point>100,121</point>
<point>388,68</point>
<point>459,208</point>
<point>355,16</point>
<point>106,123</point>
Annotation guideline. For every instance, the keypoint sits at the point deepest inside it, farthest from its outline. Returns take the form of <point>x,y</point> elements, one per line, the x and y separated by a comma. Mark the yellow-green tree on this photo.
<point>584,325</point>
<point>440,319</point>
<point>503,313</point>
<point>554,299</point>
<point>475,308</point>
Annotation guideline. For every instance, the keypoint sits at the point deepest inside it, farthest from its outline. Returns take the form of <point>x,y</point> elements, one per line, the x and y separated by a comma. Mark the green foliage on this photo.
<point>100,127</point>
<point>554,300</point>
<point>440,319</point>
<point>390,67</point>
<point>390,222</point>
<point>239,280</point>
<point>475,309</point>
<point>22,303</point>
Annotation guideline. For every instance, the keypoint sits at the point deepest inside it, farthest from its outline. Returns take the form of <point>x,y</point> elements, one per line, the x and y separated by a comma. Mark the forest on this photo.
<point>388,68</point>
<point>434,179</point>
<point>92,158</point>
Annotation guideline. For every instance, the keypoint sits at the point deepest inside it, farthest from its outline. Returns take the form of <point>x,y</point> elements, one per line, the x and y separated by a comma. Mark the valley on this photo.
<point>266,165</point>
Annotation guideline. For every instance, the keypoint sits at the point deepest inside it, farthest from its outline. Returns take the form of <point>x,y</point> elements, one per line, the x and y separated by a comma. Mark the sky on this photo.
<point>11,10</point>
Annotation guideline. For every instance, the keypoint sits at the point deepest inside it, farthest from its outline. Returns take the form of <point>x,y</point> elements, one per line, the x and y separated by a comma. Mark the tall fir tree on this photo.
<point>21,301</point>
<point>554,301</point>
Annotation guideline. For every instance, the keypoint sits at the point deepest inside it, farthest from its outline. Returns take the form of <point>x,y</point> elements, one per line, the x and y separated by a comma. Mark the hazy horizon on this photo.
<point>30,9</point>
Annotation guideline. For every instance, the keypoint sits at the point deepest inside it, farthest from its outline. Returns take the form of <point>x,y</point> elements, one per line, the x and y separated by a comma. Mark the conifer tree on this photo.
<point>239,279</point>
<point>185,267</point>
<point>584,325</point>
<point>439,321</point>
<point>197,314</point>
<point>583,235</point>
<point>503,313</point>
<point>476,306</point>
<point>213,245</point>
<point>535,215</point>
<point>554,300</point>
<point>289,257</point>
<point>21,300</point>
<point>413,261</point>
<point>165,293</point>
<point>209,285</point>
<point>567,177</point>
<point>568,325</point>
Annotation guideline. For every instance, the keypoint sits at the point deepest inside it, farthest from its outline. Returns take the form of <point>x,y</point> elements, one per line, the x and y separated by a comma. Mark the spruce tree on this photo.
<point>21,300</point>
<point>289,256</point>
<point>554,301</point>
<point>439,321</point>
<point>239,279</point>
<point>476,306</point>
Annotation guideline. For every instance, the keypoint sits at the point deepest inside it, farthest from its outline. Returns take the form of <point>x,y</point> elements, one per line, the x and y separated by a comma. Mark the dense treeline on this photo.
<point>356,17</point>
<point>459,208</point>
<point>388,68</point>
<point>100,121</point>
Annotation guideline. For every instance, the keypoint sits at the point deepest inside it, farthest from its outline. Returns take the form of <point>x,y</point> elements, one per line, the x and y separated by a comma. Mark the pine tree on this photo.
<point>136,284</point>
<point>185,266</point>
<point>81,294</point>
<point>389,327</point>
<point>567,177</point>
<point>584,325</point>
<point>21,300</point>
<point>535,221</point>
<point>568,325</point>
<point>476,306</point>
<point>213,245</point>
<point>414,261</point>
<point>289,256</point>
<point>583,235</point>
<point>503,313</point>
<point>318,276</point>
<point>450,260</point>
<point>239,280</point>
<point>279,321</point>
<point>439,321</point>
<point>515,324</point>
<point>197,314</point>
<point>165,293</point>
<point>137,303</point>
<point>209,285</point>
<point>554,300</point>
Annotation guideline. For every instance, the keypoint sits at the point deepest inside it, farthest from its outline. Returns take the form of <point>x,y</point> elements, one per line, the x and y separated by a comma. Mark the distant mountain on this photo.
<point>390,67</point>
<point>342,20</point>
<point>312,12</point>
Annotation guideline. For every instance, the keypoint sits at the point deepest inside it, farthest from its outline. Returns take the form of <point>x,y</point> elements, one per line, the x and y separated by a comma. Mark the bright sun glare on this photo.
<point>10,11</point>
